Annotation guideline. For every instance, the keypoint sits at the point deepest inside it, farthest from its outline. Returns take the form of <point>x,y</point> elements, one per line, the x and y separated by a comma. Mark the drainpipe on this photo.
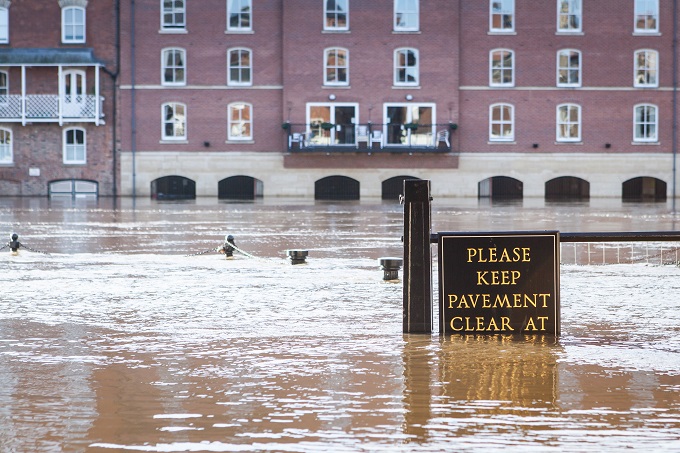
<point>133,107</point>
<point>675,97</point>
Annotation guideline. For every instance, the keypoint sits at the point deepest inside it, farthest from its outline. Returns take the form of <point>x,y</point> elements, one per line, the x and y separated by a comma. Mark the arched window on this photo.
<point>336,67</point>
<point>240,125</point>
<point>240,67</point>
<point>568,123</point>
<point>73,24</point>
<point>174,121</point>
<point>173,66</point>
<point>406,71</point>
<point>501,68</point>
<point>6,154</point>
<point>646,68</point>
<point>568,68</point>
<point>74,146</point>
<point>501,123</point>
<point>646,123</point>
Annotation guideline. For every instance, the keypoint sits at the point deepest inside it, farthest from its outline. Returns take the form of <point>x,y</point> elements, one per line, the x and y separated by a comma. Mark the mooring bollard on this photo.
<point>297,256</point>
<point>417,257</point>
<point>391,267</point>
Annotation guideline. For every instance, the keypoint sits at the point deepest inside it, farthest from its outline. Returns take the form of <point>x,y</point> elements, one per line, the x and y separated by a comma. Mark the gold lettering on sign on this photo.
<point>490,255</point>
<point>480,324</point>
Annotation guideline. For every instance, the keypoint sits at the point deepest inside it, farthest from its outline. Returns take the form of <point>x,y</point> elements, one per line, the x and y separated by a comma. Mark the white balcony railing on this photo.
<point>50,108</point>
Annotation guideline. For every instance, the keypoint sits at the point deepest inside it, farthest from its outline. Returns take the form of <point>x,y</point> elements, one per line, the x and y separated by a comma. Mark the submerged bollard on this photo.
<point>391,267</point>
<point>297,256</point>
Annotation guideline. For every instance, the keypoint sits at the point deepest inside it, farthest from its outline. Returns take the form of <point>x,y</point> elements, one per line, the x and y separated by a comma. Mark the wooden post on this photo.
<point>417,257</point>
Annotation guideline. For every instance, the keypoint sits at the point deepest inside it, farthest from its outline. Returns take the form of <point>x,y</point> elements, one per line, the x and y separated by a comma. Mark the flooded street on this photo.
<point>127,337</point>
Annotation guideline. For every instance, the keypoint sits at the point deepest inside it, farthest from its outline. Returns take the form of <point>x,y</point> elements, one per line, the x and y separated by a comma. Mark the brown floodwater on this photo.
<point>133,335</point>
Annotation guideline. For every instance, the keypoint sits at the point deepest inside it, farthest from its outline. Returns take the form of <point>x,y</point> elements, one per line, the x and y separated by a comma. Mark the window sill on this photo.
<point>502,32</point>
<point>240,142</point>
<point>406,32</point>
<point>646,87</point>
<point>645,143</point>
<point>578,143</point>
<point>239,32</point>
<point>501,142</point>
<point>173,85</point>
<point>6,164</point>
<point>569,33</point>
<point>174,142</point>
<point>568,86</point>
<point>173,31</point>
<point>330,86</point>
<point>75,164</point>
<point>405,87</point>
<point>502,86</point>
<point>642,33</point>
<point>331,31</point>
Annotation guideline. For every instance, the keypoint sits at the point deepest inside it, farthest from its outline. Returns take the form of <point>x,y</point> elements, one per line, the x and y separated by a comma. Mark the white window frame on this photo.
<point>574,9</point>
<point>74,148</point>
<point>4,25</point>
<point>240,68</point>
<point>641,74</point>
<point>333,15</point>
<point>240,27</point>
<point>502,69</point>
<point>414,69</point>
<point>507,8</point>
<point>567,122</point>
<point>640,12</point>
<point>174,67</point>
<point>174,11</point>
<point>409,8</point>
<point>502,122</point>
<point>233,125</point>
<point>647,124</point>
<point>569,69</point>
<point>6,151</point>
<point>179,124</point>
<point>336,68</point>
<point>73,25</point>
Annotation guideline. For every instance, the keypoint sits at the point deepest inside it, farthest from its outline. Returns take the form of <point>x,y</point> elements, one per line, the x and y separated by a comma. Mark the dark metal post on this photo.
<point>417,257</point>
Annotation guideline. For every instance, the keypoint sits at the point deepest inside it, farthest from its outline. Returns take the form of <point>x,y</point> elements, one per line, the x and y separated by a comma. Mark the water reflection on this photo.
<point>119,341</point>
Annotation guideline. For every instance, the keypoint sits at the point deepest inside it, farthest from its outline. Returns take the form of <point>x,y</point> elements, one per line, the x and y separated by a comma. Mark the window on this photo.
<point>646,16</point>
<point>501,71</point>
<point>173,66</point>
<point>568,15</point>
<point>409,124</point>
<point>646,68</point>
<point>336,67</point>
<point>501,123</point>
<point>568,123</point>
<point>240,121</point>
<point>73,24</point>
<point>4,87</point>
<point>646,123</point>
<point>74,146</point>
<point>336,13</point>
<point>406,15</point>
<point>332,123</point>
<point>4,25</point>
<point>406,67</point>
<point>239,15</point>
<point>173,15</point>
<point>568,68</point>
<point>174,121</point>
<point>502,16</point>
<point>240,68</point>
<point>6,156</point>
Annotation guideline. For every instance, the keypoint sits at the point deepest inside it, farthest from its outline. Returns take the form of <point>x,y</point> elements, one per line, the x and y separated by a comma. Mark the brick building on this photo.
<point>343,99</point>
<point>57,85</point>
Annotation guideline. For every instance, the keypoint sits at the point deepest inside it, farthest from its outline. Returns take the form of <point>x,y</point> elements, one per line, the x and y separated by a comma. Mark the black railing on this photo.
<point>369,137</point>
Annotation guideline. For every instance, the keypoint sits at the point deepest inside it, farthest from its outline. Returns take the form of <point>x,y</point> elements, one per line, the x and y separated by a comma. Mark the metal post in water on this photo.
<point>417,257</point>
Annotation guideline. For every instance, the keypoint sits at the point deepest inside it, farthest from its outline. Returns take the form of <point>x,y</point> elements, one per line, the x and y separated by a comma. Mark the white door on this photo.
<point>74,100</point>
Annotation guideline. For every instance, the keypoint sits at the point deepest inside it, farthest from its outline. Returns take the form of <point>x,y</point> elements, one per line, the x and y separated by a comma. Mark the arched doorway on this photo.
<point>644,188</point>
<point>239,188</point>
<point>567,188</point>
<point>501,188</point>
<point>173,188</point>
<point>336,188</point>
<point>393,187</point>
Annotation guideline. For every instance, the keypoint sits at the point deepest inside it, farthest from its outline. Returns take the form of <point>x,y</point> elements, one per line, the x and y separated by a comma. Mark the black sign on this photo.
<point>499,283</point>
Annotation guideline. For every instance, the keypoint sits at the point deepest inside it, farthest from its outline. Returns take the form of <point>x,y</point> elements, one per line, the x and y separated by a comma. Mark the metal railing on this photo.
<point>50,108</point>
<point>369,137</point>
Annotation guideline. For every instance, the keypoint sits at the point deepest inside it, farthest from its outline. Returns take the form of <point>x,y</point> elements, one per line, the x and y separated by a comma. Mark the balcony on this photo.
<point>369,138</point>
<point>51,108</point>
